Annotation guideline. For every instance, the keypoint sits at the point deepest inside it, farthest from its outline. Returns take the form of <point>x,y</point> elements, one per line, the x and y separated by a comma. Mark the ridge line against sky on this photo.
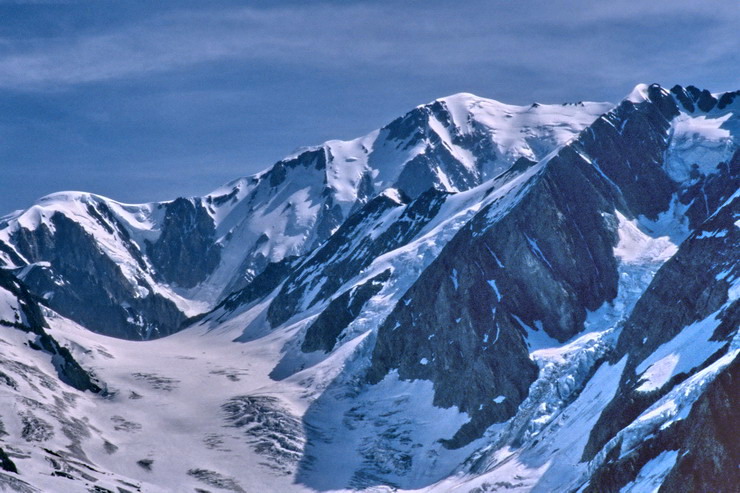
<point>145,103</point>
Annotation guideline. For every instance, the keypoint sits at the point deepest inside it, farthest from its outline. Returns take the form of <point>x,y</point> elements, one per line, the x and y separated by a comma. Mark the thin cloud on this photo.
<point>409,37</point>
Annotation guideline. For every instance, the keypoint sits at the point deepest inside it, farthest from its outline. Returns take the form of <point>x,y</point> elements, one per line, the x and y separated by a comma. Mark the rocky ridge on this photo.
<point>580,280</point>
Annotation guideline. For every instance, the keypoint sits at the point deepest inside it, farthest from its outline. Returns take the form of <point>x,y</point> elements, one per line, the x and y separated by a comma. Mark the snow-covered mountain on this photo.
<point>476,297</point>
<point>161,263</point>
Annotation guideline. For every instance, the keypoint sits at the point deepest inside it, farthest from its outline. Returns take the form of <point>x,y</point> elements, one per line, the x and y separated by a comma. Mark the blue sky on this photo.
<point>145,101</point>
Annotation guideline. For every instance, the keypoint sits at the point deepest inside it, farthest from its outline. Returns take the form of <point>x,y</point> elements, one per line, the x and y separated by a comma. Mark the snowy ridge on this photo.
<point>305,262</point>
<point>142,223</point>
<point>294,206</point>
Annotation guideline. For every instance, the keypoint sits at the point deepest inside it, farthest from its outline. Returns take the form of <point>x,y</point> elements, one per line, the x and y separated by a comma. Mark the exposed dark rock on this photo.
<point>423,171</point>
<point>326,329</point>
<point>100,211</point>
<point>312,158</point>
<point>215,479</point>
<point>710,452</point>
<point>157,382</point>
<point>727,99</point>
<point>6,463</point>
<point>628,145</point>
<point>520,166</point>
<point>14,258</point>
<point>34,319</point>
<point>86,286</point>
<point>550,258</point>
<point>15,484</point>
<point>348,251</point>
<point>122,424</point>
<point>272,430</point>
<point>6,379</point>
<point>330,218</point>
<point>223,199</point>
<point>100,489</point>
<point>109,447</point>
<point>407,129</point>
<point>686,289</point>
<point>683,97</point>
<point>703,99</point>
<point>708,192</point>
<point>707,452</point>
<point>68,369</point>
<point>35,429</point>
<point>185,252</point>
<point>262,285</point>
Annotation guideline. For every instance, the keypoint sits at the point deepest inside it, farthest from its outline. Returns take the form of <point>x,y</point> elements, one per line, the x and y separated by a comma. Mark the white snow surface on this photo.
<point>638,94</point>
<point>702,141</point>
<point>169,394</point>
<point>257,220</point>
<point>635,246</point>
<point>690,348</point>
<point>10,311</point>
<point>652,474</point>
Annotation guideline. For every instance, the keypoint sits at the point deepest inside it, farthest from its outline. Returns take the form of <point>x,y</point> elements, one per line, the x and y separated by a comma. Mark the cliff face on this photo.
<point>539,265</point>
<point>685,325</point>
<point>139,271</point>
<point>475,297</point>
<point>23,312</point>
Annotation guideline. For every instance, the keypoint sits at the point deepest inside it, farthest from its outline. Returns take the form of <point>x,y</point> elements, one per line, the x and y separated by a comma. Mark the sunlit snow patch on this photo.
<point>689,349</point>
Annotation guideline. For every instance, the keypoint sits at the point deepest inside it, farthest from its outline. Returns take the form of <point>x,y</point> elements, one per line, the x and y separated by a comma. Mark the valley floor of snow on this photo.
<point>198,410</point>
<point>226,405</point>
<point>231,405</point>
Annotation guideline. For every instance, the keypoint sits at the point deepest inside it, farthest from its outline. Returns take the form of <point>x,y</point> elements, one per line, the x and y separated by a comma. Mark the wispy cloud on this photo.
<point>145,100</point>
<point>424,38</point>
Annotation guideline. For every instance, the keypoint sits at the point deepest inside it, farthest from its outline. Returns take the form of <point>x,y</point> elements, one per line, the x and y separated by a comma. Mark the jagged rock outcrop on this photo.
<point>541,262</point>
<point>692,286</point>
<point>67,267</point>
<point>187,239</point>
<point>701,450</point>
<point>29,318</point>
<point>324,332</point>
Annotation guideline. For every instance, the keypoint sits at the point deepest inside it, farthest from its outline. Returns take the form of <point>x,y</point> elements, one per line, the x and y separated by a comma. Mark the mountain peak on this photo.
<point>470,292</point>
<point>641,92</point>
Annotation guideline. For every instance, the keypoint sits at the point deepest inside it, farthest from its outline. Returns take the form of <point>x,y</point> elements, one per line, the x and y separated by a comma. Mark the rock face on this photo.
<point>346,253</point>
<point>139,271</point>
<point>694,286</point>
<point>709,449</point>
<point>703,446</point>
<point>468,314</point>
<point>67,268</point>
<point>540,263</point>
<point>187,239</point>
<point>475,297</point>
<point>28,317</point>
<point>324,333</point>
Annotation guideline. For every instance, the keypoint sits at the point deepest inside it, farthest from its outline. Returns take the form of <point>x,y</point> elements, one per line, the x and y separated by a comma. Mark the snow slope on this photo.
<point>236,400</point>
<point>297,203</point>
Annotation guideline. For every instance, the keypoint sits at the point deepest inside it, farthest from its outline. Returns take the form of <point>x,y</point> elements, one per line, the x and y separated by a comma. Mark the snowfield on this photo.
<point>235,402</point>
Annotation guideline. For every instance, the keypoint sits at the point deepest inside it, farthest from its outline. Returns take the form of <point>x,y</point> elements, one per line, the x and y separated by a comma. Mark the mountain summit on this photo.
<point>475,297</point>
<point>171,260</point>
